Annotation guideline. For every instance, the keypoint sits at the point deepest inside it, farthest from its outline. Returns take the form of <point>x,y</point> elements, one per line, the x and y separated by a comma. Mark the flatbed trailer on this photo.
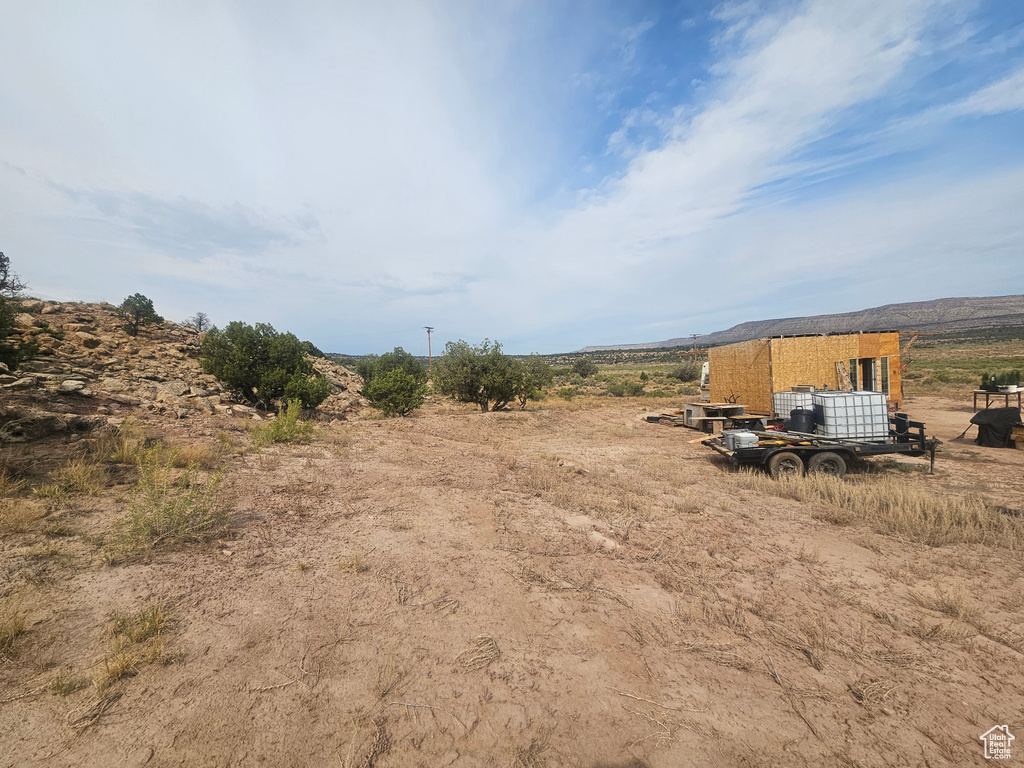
<point>793,453</point>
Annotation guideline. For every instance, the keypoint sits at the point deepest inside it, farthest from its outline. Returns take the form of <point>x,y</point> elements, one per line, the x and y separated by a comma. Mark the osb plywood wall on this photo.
<point>752,370</point>
<point>743,371</point>
<point>810,360</point>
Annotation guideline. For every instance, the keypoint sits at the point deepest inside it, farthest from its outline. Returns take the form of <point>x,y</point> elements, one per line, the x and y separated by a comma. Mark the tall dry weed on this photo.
<point>169,509</point>
<point>897,507</point>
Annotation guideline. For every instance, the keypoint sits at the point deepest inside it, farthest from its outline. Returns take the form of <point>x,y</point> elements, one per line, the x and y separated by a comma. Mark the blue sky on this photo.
<point>550,175</point>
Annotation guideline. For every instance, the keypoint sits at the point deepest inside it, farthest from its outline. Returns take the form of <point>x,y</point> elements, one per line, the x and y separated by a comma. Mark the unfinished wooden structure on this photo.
<point>750,371</point>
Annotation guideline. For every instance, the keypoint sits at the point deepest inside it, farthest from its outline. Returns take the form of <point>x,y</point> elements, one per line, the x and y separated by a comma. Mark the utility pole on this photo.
<point>430,357</point>
<point>694,347</point>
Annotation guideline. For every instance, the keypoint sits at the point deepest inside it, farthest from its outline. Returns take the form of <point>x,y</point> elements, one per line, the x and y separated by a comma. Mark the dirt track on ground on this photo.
<point>563,586</point>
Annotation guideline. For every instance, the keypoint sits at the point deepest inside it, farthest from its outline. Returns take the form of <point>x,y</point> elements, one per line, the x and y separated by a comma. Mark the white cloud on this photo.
<point>355,172</point>
<point>1006,95</point>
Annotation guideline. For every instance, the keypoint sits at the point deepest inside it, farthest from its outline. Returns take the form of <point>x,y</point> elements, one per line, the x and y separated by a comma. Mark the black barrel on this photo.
<point>902,423</point>
<point>801,420</point>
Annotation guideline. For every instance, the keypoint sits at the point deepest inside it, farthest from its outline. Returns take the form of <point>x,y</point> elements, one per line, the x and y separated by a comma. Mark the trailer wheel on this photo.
<point>827,463</point>
<point>785,464</point>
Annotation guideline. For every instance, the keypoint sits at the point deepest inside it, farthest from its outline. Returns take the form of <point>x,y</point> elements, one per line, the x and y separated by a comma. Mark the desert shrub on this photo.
<point>137,311</point>
<point>167,510</point>
<point>568,393</point>
<point>994,380</point>
<point>482,375</point>
<point>658,393</point>
<point>397,360</point>
<point>626,389</point>
<point>942,377</point>
<point>286,428</point>
<point>584,367</point>
<point>310,391</point>
<point>261,365</point>
<point>535,376</point>
<point>634,389</point>
<point>395,382</point>
<point>685,372</point>
<point>644,376</point>
<point>395,392</point>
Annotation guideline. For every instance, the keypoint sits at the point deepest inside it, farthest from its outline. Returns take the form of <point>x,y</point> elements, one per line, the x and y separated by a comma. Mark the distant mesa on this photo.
<point>938,315</point>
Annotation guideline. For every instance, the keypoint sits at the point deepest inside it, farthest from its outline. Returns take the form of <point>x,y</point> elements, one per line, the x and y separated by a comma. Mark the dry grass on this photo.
<point>480,654</point>
<point>65,683</point>
<point>139,627</point>
<point>897,507</point>
<point>194,455</point>
<point>869,691</point>
<point>354,564</point>
<point>12,626</point>
<point>79,476</point>
<point>167,510</point>
<point>17,515</point>
<point>136,639</point>
<point>389,676</point>
<point>954,602</point>
<point>9,486</point>
<point>126,446</point>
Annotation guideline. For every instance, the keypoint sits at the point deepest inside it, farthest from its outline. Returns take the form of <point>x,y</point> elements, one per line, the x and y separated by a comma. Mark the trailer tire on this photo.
<point>827,463</point>
<point>785,464</point>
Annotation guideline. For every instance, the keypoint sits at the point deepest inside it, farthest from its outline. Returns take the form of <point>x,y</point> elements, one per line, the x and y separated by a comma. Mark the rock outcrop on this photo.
<point>86,357</point>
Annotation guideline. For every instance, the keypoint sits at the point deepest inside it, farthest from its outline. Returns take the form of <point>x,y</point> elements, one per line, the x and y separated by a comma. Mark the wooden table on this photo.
<point>989,396</point>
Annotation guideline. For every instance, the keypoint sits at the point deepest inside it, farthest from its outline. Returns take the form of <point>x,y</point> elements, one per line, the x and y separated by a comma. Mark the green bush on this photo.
<point>137,311</point>
<point>992,381</point>
<point>310,391</point>
<point>286,428</point>
<point>260,365</point>
<point>398,360</point>
<point>535,376</point>
<point>395,392</point>
<point>568,393</point>
<point>584,367</point>
<point>617,389</point>
<point>482,375</point>
<point>685,372</point>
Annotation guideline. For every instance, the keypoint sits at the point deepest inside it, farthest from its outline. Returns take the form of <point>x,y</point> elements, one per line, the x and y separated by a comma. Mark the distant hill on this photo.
<point>938,315</point>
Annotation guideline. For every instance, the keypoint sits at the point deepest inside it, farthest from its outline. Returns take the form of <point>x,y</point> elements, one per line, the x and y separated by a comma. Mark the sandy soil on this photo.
<point>563,586</point>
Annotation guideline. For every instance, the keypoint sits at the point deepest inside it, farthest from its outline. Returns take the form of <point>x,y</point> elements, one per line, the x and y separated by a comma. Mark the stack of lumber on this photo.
<point>672,419</point>
<point>1017,435</point>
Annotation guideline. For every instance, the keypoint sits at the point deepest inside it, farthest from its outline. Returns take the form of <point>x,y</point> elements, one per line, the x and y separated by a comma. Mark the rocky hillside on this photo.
<point>88,367</point>
<point>938,315</point>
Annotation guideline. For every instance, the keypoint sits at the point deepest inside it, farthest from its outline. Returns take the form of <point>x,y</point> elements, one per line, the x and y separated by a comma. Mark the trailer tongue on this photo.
<point>793,453</point>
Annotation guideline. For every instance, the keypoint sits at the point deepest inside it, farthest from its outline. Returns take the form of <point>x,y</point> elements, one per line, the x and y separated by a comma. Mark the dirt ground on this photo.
<point>564,586</point>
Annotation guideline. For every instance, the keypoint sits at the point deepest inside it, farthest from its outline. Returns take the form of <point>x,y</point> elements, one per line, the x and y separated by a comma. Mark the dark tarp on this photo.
<point>995,425</point>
